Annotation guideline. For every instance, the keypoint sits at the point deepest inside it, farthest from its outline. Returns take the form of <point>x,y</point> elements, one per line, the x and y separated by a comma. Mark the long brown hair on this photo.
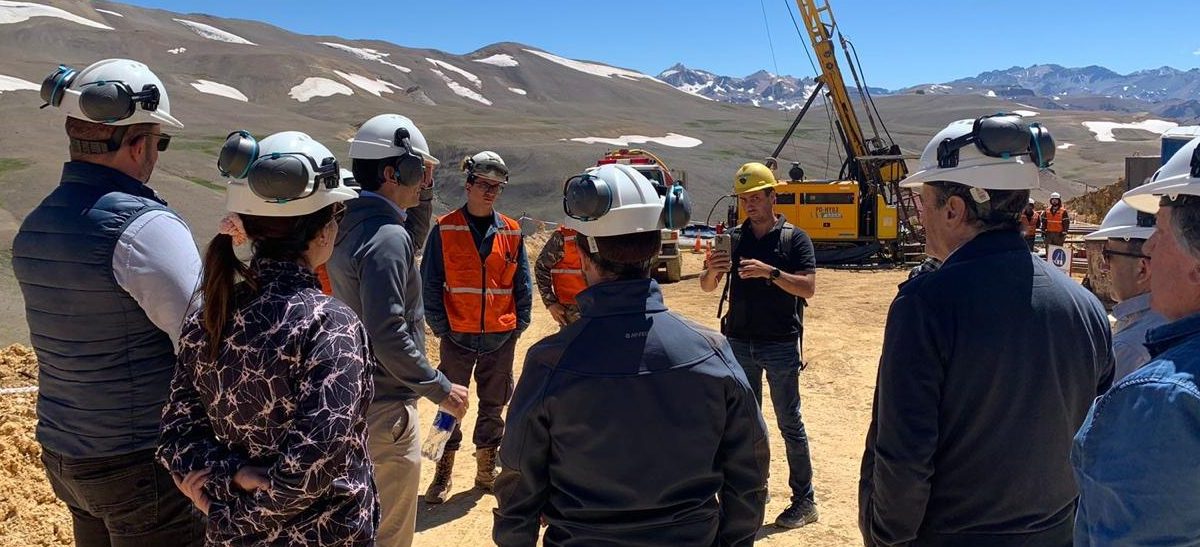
<point>284,239</point>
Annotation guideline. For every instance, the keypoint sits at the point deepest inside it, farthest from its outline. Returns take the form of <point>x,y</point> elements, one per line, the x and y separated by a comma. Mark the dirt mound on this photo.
<point>29,512</point>
<point>1092,206</point>
<point>18,366</point>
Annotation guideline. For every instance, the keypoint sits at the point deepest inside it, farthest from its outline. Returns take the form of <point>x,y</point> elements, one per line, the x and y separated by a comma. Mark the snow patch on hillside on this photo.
<point>9,83</point>
<point>1104,130</point>
<point>367,54</point>
<point>499,59</point>
<point>470,77</point>
<point>318,87</point>
<point>671,139</point>
<point>213,33</point>
<point>214,88</point>
<point>16,12</point>
<point>461,90</point>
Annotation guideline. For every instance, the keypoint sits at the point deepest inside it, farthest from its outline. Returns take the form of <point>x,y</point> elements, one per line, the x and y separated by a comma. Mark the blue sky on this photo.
<point>900,42</point>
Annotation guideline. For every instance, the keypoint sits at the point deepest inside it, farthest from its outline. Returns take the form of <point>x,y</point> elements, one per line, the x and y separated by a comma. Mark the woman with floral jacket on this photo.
<point>265,427</point>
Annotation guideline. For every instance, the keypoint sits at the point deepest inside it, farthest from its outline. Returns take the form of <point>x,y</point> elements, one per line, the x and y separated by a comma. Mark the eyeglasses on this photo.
<point>339,212</point>
<point>1107,254</point>
<point>164,140</point>
<point>489,188</point>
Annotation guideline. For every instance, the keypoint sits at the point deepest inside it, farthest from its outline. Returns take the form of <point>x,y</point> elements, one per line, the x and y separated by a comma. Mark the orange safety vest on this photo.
<point>479,294</point>
<point>1030,223</point>
<point>1054,220</point>
<point>567,273</point>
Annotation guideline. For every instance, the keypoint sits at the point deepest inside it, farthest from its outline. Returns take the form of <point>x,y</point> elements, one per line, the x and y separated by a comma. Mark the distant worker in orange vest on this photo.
<point>478,296</point>
<point>1030,219</point>
<point>1055,221</point>
<point>559,275</point>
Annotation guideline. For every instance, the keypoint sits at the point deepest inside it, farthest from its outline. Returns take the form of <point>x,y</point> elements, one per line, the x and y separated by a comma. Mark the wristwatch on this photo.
<point>775,273</point>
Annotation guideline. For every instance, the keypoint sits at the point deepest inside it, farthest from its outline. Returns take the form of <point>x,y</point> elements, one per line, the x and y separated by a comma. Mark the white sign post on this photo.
<point>1059,257</point>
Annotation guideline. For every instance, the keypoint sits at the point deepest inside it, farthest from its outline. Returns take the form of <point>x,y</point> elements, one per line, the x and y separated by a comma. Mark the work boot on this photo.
<point>439,489</point>
<point>797,515</point>
<point>485,477</point>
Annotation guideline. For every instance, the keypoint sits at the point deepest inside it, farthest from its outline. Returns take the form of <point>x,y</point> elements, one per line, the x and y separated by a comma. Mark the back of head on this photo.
<point>389,140</point>
<point>107,104</point>
<point>618,215</point>
<point>991,163</point>
<point>282,193</point>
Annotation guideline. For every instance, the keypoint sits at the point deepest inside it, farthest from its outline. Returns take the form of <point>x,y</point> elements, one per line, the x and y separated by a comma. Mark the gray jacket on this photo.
<point>374,271</point>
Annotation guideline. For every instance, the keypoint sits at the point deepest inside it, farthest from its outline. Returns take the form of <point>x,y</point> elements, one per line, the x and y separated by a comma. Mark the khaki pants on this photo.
<point>395,446</point>
<point>1055,238</point>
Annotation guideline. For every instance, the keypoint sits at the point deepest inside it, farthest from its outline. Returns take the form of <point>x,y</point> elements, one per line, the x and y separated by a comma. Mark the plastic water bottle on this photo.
<point>439,435</point>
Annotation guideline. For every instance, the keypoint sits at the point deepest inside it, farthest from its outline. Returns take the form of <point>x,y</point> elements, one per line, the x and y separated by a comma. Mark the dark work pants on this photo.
<point>781,363</point>
<point>123,501</point>
<point>493,384</point>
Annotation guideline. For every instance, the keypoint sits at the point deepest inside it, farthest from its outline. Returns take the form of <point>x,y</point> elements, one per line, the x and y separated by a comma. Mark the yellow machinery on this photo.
<point>864,216</point>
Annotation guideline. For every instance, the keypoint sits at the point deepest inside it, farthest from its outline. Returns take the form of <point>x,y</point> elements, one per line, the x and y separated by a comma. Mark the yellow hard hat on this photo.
<point>752,177</point>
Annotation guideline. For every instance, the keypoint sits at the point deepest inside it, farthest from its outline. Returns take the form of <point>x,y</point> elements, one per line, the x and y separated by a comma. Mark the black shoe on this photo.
<point>797,515</point>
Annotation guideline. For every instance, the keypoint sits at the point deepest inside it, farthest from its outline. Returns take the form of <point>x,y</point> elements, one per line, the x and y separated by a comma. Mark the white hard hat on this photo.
<point>611,200</point>
<point>1124,222</point>
<point>486,164</point>
<point>289,163</point>
<point>377,139</point>
<point>1001,152</point>
<point>1031,202</point>
<point>1055,195</point>
<point>110,92</point>
<point>1179,176</point>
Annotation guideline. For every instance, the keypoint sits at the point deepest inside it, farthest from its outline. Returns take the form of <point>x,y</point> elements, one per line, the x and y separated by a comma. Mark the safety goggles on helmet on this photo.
<point>104,101</point>
<point>1001,136</point>
<point>276,177</point>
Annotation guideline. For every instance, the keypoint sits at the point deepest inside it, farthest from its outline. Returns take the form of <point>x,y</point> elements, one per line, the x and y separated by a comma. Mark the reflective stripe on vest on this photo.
<point>1054,220</point>
<point>478,294</point>
<point>567,273</point>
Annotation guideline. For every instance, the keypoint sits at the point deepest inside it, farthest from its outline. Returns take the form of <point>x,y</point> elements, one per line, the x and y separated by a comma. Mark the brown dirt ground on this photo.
<point>844,328</point>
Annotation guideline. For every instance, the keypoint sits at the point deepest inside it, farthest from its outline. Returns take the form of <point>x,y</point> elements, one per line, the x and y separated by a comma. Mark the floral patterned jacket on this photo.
<point>288,391</point>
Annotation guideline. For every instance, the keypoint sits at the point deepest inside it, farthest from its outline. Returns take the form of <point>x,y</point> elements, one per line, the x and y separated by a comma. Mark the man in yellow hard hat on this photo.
<point>776,272</point>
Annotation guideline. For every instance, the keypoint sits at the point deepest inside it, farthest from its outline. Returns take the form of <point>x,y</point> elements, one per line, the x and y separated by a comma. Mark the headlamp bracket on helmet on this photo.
<point>276,177</point>
<point>1002,135</point>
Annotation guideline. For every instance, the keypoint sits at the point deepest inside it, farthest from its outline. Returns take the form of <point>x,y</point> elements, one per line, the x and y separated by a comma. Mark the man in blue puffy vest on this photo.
<point>108,272</point>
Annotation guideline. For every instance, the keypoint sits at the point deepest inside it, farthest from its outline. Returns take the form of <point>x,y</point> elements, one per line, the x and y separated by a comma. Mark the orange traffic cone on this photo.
<point>696,248</point>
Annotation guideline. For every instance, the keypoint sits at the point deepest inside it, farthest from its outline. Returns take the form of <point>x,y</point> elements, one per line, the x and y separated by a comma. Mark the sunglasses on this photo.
<point>1107,254</point>
<point>164,140</point>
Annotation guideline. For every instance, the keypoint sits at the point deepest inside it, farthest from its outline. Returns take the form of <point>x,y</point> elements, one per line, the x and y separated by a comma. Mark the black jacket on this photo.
<point>624,429</point>
<point>989,366</point>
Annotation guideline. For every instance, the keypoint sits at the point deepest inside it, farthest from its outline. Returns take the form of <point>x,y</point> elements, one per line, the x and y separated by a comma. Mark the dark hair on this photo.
<point>1001,211</point>
<point>284,239</point>
<point>369,173</point>
<point>626,256</point>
